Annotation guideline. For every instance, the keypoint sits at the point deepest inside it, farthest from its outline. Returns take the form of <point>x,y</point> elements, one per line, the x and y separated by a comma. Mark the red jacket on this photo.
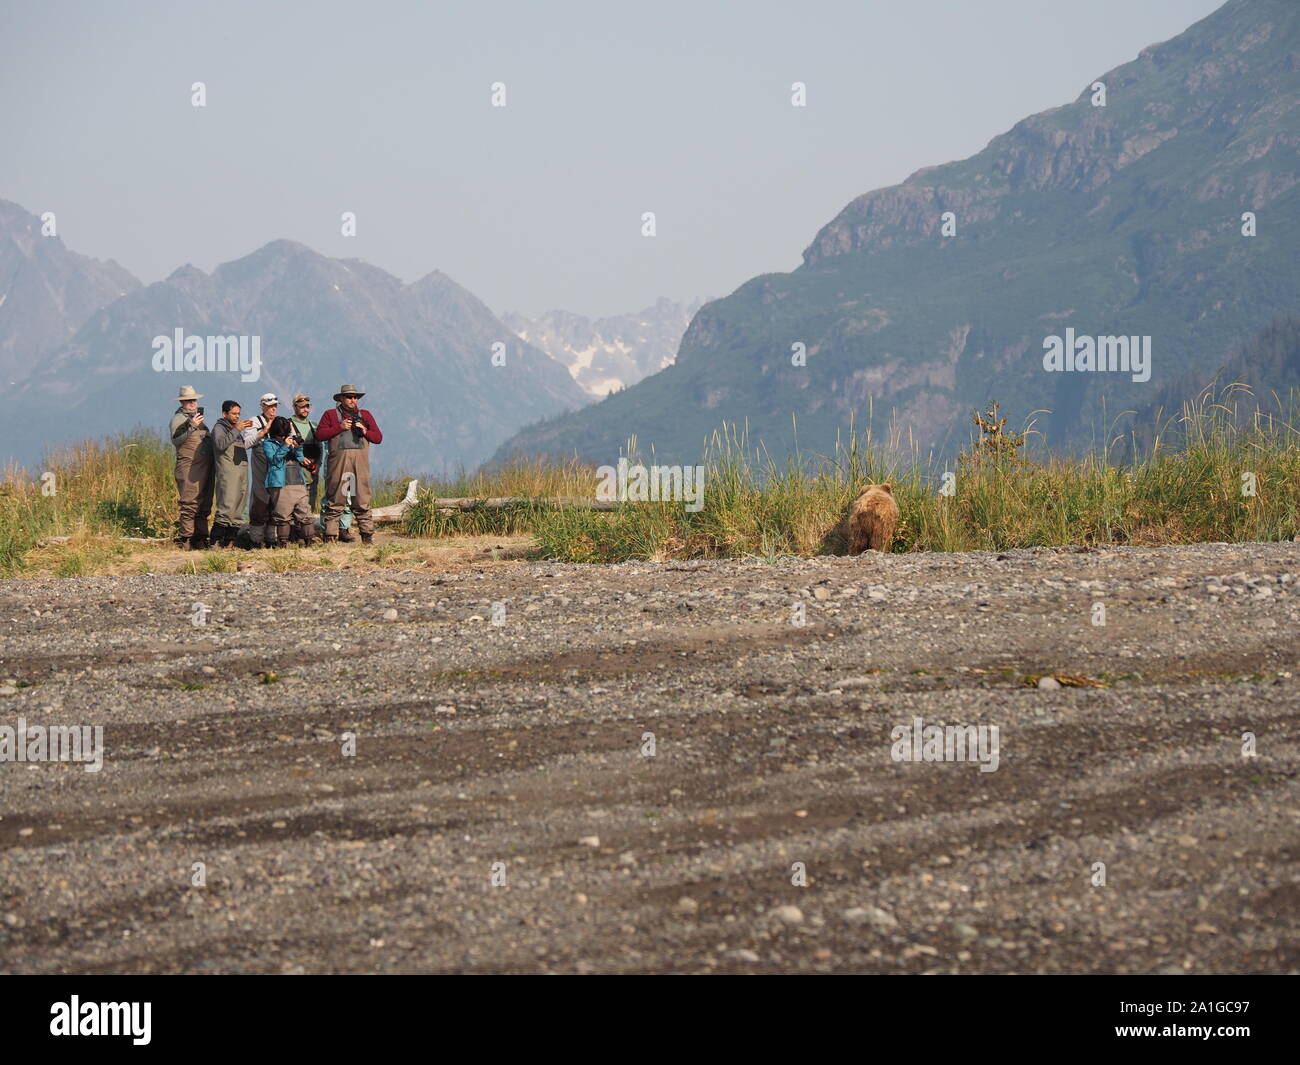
<point>331,425</point>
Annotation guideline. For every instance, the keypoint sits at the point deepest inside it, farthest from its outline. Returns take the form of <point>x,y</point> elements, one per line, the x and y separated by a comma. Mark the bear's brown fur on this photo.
<point>872,519</point>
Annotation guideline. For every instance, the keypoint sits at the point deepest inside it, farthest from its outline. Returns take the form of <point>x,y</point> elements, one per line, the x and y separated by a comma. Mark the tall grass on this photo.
<point>1192,484</point>
<point>122,486</point>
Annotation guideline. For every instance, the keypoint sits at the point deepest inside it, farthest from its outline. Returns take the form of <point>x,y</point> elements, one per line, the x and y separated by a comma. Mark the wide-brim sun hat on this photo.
<point>187,392</point>
<point>348,390</point>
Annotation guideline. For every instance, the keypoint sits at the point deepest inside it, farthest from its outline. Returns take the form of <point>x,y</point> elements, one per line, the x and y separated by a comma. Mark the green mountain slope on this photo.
<point>1262,377</point>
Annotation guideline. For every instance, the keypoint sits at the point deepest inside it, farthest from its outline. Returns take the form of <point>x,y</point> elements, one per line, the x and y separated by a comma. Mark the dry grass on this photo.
<point>91,557</point>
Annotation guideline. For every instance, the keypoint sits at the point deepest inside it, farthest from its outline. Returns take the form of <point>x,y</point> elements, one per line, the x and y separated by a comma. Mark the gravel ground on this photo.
<point>771,830</point>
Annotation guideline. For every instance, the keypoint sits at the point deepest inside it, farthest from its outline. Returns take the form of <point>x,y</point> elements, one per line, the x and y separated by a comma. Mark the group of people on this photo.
<point>289,459</point>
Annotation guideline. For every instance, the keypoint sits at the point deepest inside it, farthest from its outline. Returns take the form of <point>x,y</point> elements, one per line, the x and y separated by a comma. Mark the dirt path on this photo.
<point>523,743</point>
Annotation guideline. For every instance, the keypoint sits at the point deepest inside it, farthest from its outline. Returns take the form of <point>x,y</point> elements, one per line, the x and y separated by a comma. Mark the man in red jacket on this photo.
<point>348,431</point>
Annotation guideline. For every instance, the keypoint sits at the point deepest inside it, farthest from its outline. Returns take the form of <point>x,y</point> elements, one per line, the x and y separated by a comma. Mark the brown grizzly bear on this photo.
<point>872,519</point>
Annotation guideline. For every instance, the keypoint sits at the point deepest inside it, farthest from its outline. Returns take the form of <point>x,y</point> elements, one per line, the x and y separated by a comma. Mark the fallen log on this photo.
<point>397,511</point>
<point>500,502</point>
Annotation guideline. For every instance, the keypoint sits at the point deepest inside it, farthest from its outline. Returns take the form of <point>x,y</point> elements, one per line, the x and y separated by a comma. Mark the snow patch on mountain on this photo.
<point>606,355</point>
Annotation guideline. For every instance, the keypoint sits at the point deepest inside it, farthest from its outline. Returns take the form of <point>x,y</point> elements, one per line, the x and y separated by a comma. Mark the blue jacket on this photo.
<point>276,455</point>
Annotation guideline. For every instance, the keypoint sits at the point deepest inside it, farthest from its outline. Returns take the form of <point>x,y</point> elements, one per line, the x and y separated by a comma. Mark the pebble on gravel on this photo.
<point>1048,684</point>
<point>872,915</point>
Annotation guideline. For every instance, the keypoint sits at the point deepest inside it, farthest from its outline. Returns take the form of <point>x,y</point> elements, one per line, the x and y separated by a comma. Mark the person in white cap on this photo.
<point>261,527</point>
<point>193,470</point>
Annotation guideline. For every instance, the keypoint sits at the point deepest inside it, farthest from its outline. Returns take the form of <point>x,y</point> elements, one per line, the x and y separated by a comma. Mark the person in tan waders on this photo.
<point>348,431</point>
<point>194,470</point>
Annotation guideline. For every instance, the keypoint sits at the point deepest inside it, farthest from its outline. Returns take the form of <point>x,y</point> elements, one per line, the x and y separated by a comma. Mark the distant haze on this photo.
<point>612,110</point>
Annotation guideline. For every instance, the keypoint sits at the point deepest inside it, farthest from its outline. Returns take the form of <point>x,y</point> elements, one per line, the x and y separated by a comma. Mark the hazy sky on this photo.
<point>613,109</point>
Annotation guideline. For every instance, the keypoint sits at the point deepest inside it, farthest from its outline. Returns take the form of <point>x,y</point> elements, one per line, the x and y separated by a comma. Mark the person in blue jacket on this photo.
<point>286,483</point>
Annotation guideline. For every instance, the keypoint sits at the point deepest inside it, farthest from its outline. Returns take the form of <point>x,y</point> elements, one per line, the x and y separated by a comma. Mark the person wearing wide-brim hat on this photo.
<point>194,470</point>
<point>348,431</point>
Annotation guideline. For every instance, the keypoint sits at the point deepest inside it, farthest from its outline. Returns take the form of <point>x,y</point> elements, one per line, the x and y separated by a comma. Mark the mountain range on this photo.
<point>1128,212</point>
<point>446,378</point>
<point>451,380</point>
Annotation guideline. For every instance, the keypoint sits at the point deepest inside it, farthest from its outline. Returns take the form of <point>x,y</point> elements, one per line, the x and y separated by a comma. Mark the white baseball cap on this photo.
<point>268,399</point>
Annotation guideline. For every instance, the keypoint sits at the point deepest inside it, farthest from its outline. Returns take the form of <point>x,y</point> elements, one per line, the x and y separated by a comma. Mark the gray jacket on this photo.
<point>229,442</point>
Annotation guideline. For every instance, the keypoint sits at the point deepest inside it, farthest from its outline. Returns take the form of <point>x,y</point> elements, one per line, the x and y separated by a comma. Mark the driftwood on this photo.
<point>397,512</point>
<point>498,502</point>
